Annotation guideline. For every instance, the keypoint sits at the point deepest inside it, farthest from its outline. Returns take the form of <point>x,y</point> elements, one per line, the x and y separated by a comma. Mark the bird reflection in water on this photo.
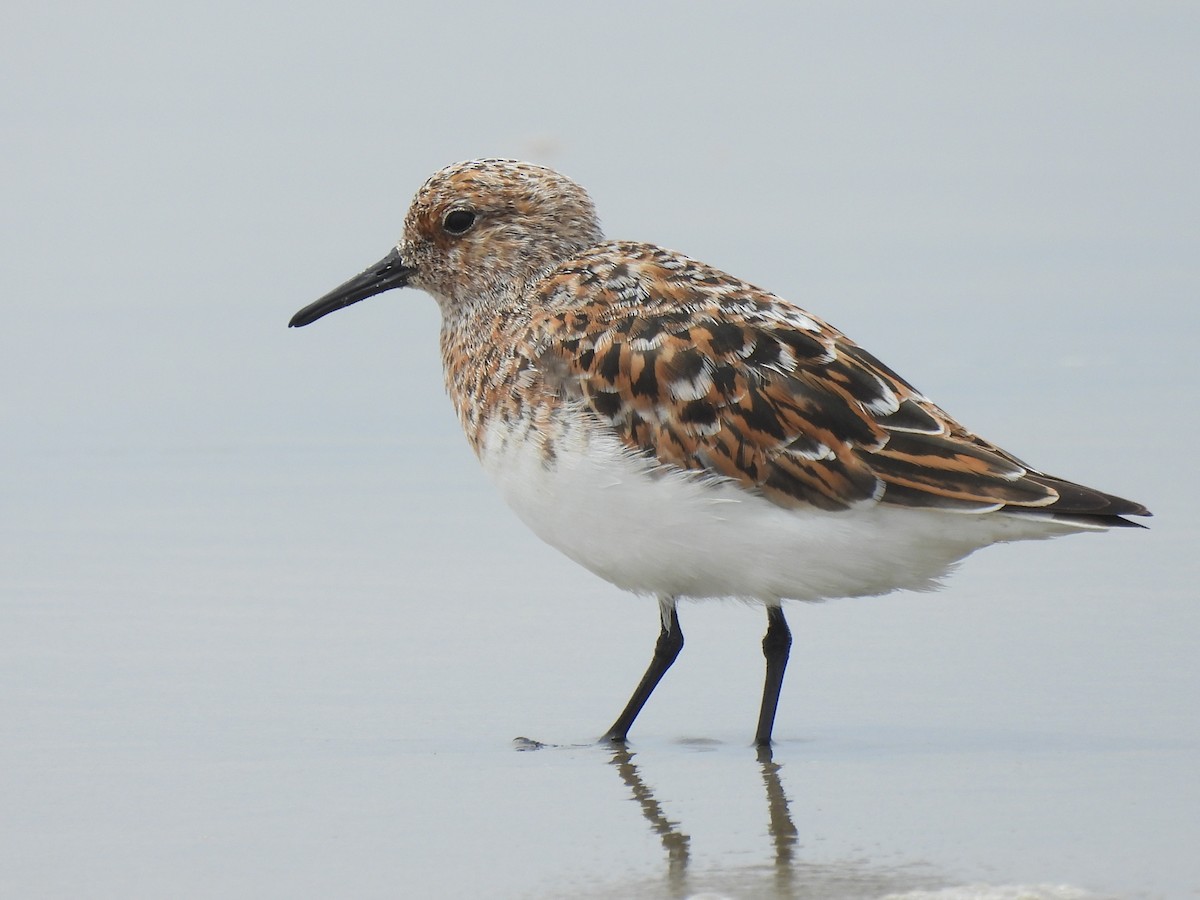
<point>676,842</point>
<point>782,829</point>
<point>786,876</point>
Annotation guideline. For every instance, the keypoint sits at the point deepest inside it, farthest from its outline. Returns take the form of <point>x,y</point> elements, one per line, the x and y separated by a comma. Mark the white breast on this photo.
<point>658,530</point>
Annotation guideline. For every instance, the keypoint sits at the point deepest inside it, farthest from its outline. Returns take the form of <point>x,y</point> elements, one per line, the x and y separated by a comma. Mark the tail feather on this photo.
<point>1084,505</point>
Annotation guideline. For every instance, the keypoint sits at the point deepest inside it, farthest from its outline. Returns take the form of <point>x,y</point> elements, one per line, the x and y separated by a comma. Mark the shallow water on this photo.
<point>300,668</point>
<point>266,631</point>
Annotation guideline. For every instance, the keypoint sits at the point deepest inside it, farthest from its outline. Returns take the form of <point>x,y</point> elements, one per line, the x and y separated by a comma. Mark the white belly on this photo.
<point>662,531</point>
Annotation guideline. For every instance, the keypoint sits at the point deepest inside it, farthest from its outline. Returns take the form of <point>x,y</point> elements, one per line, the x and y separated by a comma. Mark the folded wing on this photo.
<point>713,375</point>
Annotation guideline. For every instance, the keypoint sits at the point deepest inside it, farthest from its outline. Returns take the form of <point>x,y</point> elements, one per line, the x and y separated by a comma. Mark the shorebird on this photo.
<point>684,434</point>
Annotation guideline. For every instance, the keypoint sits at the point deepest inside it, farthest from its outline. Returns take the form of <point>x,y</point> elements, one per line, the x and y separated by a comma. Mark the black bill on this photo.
<point>390,272</point>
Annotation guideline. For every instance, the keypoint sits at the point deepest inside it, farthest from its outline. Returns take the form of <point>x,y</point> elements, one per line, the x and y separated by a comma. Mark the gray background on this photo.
<point>266,631</point>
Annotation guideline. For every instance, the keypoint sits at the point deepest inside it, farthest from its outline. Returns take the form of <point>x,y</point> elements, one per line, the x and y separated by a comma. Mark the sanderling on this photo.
<point>682,433</point>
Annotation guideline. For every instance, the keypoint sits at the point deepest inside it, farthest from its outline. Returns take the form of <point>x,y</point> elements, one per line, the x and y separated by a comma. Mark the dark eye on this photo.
<point>458,221</point>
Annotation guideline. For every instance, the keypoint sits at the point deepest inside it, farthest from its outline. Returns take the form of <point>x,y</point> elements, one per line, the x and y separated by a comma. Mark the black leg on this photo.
<point>670,642</point>
<point>776,645</point>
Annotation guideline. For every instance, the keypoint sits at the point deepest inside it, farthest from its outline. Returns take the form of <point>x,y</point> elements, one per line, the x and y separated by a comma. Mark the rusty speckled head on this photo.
<point>473,229</point>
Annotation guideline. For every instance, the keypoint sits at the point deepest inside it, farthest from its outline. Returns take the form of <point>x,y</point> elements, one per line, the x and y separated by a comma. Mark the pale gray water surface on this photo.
<point>265,630</point>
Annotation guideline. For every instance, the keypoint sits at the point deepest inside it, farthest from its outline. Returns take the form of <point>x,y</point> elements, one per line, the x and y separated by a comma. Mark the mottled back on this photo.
<point>706,372</point>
